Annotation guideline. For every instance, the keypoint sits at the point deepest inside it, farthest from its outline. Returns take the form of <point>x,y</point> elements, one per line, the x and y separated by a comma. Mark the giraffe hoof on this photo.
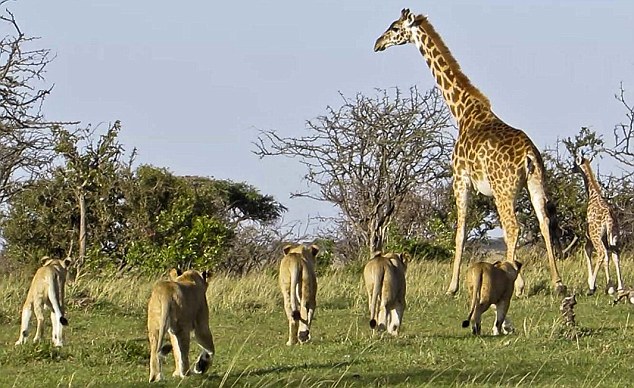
<point>451,292</point>
<point>561,290</point>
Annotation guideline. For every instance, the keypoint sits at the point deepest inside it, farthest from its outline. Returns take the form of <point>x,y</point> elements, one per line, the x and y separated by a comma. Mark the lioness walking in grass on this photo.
<point>298,283</point>
<point>179,306</point>
<point>384,277</point>
<point>490,284</point>
<point>46,292</point>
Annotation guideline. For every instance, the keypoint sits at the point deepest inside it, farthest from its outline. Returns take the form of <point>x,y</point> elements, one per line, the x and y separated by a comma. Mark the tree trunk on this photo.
<point>82,227</point>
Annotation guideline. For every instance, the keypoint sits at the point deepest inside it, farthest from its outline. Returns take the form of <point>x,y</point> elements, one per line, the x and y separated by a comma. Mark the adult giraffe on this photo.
<point>490,156</point>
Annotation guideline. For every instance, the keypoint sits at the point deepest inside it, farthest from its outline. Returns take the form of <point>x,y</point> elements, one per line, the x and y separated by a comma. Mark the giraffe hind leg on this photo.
<point>546,213</point>
<point>506,212</point>
<point>613,251</point>
<point>592,279</point>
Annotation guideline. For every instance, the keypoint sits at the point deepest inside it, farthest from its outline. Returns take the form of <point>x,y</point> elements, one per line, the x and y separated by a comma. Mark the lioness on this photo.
<point>299,287</point>
<point>46,292</point>
<point>179,306</point>
<point>490,284</point>
<point>384,277</point>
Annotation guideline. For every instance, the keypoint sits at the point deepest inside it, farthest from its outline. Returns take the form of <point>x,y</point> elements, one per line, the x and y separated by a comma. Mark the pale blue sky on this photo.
<point>192,82</point>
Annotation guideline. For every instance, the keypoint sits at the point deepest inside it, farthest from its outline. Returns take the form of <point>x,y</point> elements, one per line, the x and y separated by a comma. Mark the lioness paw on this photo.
<point>303,336</point>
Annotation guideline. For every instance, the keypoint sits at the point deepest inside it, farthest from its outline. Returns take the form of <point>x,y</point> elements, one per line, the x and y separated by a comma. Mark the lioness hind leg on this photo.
<point>155,360</point>
<point>291,316</point>
<point>206,342</point>
<point>303,331</point>
<point>395,321</point>
<point>56,330</point>
<point>180,346</point>
<point>38,309</point>
<point>382,317</point>
<point>24,326</point>
<point>476,326</point>
<point>500,313</point>
<point>293,326</point>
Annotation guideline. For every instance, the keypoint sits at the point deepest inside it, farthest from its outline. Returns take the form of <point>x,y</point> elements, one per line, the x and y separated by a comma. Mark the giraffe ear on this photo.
<point>409,17</point>
<point>578,160</point>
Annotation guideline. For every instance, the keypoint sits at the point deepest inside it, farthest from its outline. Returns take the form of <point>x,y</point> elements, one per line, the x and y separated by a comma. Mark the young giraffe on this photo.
<point>489,155</point>
<point>602,233</point>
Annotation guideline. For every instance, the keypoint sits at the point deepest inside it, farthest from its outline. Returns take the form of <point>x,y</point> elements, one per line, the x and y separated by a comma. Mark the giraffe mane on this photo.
<point>423,22</point>
<point>591,179</point>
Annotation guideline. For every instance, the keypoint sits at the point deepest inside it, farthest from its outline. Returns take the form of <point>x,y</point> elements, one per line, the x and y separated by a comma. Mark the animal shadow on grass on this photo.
<point>454,375</point>
<point>289,368</point>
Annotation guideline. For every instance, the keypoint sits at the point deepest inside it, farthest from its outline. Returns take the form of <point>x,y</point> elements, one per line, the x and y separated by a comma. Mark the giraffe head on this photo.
<point>580,160</point>
<point>399,32</point>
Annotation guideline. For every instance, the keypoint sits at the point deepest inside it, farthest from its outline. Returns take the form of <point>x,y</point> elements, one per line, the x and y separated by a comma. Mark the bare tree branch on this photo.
<point>25,141</point>
<point>367,155</point>
<point>623,150</point>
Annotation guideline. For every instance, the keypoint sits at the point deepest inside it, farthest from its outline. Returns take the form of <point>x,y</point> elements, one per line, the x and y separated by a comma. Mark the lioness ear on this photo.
<point>206,275</point>
<point>287,248</point>
<point>314,249</point>
<point>67,262</point>
<point>403,258</point>
<point>44,259</point>
<point>174,273</point>
<point>518,265</point>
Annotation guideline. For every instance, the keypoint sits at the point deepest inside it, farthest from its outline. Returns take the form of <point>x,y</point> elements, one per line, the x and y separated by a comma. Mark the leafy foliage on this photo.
<point>148,219</point>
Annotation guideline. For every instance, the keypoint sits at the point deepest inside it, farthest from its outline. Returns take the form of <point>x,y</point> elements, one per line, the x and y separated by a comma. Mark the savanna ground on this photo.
<point>106,341</point>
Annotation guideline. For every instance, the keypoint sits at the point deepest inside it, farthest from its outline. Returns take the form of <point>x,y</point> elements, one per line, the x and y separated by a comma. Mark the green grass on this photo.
<point>106,341</point>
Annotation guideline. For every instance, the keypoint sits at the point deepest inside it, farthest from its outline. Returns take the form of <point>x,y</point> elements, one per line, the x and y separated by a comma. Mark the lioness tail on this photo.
<point>378,284</point>
<point>477,284</point>
<point>295,278</point>
<point>54,297</point>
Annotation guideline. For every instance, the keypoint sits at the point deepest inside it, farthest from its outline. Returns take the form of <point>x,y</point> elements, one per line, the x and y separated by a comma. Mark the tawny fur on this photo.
<point>46,292</point>
<point>177,307</point>
<point>490,284</point>
<point>298,283</point>
<point>384,277</point>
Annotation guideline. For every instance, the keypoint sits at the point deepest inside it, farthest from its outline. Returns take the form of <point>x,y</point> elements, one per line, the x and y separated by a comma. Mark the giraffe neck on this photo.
<point>466,102</point>
<point>592,186</point>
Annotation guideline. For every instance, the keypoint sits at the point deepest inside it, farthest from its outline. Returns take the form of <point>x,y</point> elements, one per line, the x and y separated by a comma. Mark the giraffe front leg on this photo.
<point>461,193</point>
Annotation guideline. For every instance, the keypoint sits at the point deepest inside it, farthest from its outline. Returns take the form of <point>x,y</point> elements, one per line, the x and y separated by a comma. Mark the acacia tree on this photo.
<point>367,155</point>
<point>25,141</point>
<point>93,170</point>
